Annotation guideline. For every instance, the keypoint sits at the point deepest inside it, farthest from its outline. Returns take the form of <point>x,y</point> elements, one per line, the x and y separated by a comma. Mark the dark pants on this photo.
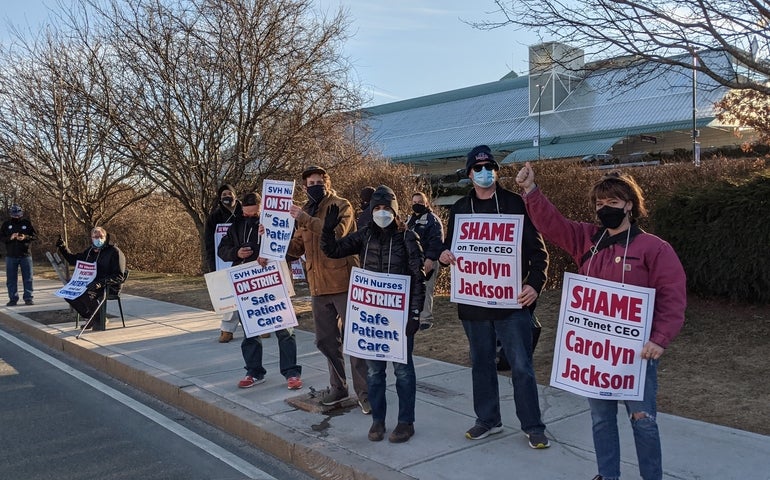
<point>251,348</point>
<point>329,319</point>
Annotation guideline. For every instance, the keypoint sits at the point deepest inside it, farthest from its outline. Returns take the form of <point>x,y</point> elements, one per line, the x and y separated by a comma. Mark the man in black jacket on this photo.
<point>17,233</point>
<point>239,246</point>
<point>428,226</point>
<point>512,326</point>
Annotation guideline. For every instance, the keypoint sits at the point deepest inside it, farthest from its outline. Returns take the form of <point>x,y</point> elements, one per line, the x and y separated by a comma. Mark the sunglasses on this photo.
<point>488,166</point>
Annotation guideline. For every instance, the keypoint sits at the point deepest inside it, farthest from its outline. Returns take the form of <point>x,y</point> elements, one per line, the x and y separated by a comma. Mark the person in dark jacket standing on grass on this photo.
<point>110,268</point>
<point>619,251</point>
<point>239,246</point>
<point>427,226</point>
<point>17,233</point>
<point>513,327</point>
<point>387,246</point>
<point>227,210</point>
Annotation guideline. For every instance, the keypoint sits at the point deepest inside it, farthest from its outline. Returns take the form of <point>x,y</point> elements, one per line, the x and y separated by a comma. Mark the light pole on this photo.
<point>695,144</point>
<point>539,110</point>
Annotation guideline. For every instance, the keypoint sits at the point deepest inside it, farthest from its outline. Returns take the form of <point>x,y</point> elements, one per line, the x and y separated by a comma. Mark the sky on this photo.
<point>399,49</point>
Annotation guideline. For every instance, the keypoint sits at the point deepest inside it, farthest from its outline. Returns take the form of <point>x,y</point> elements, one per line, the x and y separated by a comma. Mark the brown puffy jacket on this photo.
<point>325,276</point>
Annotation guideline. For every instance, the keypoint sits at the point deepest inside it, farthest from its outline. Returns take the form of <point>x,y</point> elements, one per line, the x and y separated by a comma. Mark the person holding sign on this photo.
<point>428,227</point>
<point>387,246</point>
<point>110,267</point>
<point>328,280</point>
<point>228,209</point>
<point>618,250</point>
<point>512,322</point>
<point>241,245</point>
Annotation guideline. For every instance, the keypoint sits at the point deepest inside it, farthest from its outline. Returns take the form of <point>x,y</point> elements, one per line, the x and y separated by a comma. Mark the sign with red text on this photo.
<point>84,274</point>
<point>488,268</point>
<point>263,297</point>
<point>277,199</point>
<point>603,326</point>
<point>220,232</point>
<point>378,306</point>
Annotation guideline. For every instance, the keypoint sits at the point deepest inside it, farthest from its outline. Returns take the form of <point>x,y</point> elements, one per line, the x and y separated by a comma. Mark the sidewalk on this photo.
<point>171,351</point>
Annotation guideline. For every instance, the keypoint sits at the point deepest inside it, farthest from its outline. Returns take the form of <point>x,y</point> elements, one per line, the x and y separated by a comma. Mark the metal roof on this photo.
<point>448,124</point>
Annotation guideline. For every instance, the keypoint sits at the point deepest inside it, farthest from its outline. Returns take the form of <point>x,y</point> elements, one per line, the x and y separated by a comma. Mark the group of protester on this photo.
<point>331,239</point>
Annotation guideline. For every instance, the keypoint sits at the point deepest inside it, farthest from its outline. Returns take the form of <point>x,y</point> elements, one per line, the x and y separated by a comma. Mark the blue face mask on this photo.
<point>485,178</point>
<point>98,242</point>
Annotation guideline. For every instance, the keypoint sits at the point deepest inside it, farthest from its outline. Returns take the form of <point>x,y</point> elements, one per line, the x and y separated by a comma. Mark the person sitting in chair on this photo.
<point>110,267</point>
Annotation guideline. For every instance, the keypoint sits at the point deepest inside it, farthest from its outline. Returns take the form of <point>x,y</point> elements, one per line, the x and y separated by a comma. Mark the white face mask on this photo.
<point>382,218</point>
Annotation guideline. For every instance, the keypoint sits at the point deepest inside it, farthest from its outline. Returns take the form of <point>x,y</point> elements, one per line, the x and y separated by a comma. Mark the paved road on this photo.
<point>86,425</point>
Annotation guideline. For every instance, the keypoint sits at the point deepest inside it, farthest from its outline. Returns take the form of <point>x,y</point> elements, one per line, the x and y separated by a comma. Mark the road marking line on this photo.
<point>207,446</point>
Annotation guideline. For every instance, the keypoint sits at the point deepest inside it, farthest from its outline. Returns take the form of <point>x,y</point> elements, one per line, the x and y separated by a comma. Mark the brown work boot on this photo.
<point>401,433</point>
<point>225,337</point>
<point>377,431</point>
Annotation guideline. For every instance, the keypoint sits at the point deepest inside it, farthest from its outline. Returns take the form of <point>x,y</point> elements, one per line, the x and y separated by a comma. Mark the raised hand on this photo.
<point>332,218</point>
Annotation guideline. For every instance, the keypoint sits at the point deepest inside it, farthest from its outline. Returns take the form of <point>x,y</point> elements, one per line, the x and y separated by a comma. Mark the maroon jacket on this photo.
<point>654,264</point>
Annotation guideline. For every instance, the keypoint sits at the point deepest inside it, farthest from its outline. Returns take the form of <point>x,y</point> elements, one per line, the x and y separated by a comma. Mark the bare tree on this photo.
<point>54,136</point>
<point>656,33</point>
<point>206,91</point>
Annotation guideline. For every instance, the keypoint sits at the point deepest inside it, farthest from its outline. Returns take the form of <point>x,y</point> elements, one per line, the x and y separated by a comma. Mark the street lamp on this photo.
<point>695,144</point>
<point>539,110</point>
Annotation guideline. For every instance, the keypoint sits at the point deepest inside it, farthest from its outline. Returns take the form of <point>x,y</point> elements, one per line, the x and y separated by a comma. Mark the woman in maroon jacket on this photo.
<point>649,262</point>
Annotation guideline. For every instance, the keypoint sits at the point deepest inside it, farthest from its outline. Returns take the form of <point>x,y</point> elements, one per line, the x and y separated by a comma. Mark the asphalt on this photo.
<point>171,351</point>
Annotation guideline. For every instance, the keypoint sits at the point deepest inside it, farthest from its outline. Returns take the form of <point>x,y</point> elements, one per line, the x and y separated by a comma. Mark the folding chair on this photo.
<point>111,295</point>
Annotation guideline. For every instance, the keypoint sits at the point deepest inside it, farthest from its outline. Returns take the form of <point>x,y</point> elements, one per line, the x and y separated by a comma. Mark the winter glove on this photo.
<point>412,325</point>
<point>96,285</point>
<point>332,218</point>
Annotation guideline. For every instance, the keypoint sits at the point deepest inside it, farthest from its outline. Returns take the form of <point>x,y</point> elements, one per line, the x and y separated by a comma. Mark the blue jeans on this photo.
<point>406,386</point>
<point>251,348</point>
<point>604,415</point>
<point>12,265</point>
<point>515,335</point>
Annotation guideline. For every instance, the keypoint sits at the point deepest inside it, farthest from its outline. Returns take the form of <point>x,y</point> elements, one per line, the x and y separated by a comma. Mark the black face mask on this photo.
<point>316,193</point>
<point>227,201</point>
<point>419,209</point>
<point>611,217</point>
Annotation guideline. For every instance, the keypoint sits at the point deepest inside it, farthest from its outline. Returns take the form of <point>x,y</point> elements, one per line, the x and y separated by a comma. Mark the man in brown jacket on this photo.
<point>328,280</point>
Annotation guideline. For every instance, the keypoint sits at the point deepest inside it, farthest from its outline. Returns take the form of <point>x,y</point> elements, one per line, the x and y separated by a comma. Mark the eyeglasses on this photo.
<point>488,166</point>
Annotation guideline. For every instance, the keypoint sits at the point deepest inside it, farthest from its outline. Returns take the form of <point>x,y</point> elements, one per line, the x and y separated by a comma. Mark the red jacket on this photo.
<point>653,263</point>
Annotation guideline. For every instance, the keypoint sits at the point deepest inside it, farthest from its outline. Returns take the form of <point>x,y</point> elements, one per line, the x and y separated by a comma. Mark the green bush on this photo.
<point>722,237</point>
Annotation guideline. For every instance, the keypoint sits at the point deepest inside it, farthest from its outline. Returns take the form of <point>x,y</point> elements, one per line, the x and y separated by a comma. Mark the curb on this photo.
<point>312,455</point>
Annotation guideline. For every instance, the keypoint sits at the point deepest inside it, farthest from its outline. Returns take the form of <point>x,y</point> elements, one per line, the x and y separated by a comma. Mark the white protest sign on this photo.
<point>84,274</point>
<point>219,233</point>
<point>488,252</point>
<point>602,328</point>
<point>277,199</point>
<point>221,290</point>
<point>263,299</point>
<point>376,316</point>
<point>297,270</point>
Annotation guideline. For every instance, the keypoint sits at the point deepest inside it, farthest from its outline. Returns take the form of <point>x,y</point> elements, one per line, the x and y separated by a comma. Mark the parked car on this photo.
<point>602,158</point>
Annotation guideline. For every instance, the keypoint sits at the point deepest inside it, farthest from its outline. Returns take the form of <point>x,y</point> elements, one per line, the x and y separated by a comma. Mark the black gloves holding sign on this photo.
<point>413,324</point>
<point>328,238</point>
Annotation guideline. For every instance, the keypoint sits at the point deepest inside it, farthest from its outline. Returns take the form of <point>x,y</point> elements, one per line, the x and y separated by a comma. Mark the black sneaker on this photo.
<point>11,303</point>
<point>424,325</point>
<point>334,397</point>
<point>29,302</point>
<point>477,432</point>
<point>538,440</point>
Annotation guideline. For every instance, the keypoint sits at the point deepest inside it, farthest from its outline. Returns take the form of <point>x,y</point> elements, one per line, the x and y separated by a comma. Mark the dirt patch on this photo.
<point>715,371</point>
